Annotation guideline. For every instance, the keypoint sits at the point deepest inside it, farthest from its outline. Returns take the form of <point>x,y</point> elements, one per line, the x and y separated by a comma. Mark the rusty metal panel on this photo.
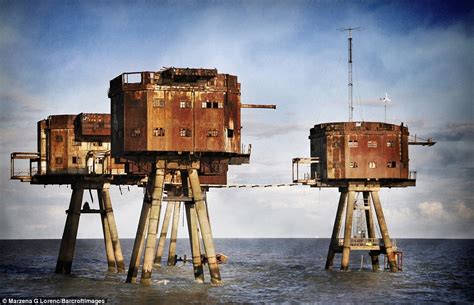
<point>360,150</point>
<point>93,124</point>
<point>209,124</point>
<point>232,121</point>
<point>135,120</point>
<point>117,108</point>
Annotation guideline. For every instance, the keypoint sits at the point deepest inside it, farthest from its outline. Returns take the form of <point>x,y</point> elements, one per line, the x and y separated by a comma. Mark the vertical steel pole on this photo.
<point>157,194</point>
<point>109,248</point>
<point>336,229</point>
<point>348,231</point>
<point>164,232</point>
<point>370,229</point>
<point>68,241</point>
<point>140,235</point>
<point>174,234</point>
<point>191,219</point>
<point>205,227</point>
<point>113,227</point>
<point>384,230</point>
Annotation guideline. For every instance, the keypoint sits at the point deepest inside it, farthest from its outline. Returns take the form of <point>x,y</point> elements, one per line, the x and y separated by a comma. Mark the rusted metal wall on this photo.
<point>360,150</point>
<point>175,111</point>
<point>76,144</point>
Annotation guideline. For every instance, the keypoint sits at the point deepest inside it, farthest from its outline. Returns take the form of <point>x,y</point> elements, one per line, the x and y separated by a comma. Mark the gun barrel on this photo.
<point>268,106</point>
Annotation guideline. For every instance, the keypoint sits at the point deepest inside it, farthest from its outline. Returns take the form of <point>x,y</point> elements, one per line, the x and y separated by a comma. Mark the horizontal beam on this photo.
<point>260,106</point>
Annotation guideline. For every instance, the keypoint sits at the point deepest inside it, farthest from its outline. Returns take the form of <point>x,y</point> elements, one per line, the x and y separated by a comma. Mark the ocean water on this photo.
<point>259,270</point>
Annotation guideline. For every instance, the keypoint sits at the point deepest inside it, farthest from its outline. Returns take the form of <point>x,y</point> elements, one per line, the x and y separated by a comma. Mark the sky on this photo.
<point>57,57</point>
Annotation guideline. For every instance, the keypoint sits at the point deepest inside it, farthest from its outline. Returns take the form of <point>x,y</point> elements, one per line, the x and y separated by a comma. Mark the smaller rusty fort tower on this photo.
<point>75,150</point>
<point>182,127</point>
<point>359,158</point>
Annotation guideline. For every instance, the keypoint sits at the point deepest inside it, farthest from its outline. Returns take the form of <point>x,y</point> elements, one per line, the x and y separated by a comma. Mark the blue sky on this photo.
<point>58,57</point>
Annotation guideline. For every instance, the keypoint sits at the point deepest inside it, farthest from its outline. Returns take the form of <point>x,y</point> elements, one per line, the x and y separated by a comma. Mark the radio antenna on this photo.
<point>351,103</point>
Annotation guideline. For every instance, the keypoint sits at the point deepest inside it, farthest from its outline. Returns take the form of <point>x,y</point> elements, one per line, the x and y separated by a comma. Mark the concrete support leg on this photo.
<point>164,232</point>
<point>109,248</point>
<point>174,234</point>
<point>384,231</point>
<point>191,218</point>
<point>68,241</point>
<point>140,235</point>
<point>205,227</point>
<point>105,194</point>
<point>149,256</point>
<point>335,231</point>
<point>348,231</point>
<point>370,229</point>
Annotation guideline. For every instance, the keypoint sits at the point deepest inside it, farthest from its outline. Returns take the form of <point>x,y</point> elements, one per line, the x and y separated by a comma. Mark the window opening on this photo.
<point>353,143</point>
<point>159,132</point>
<point>372,144</point>
<point>184,132</point>
<point>136,132</point>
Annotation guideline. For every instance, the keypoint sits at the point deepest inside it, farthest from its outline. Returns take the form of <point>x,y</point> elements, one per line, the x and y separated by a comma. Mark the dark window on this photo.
<point>353,143</point>
<point>59,138</point>
<point>353,164</point>
<point>59,160</point>
<point>184,132</point>
<point>184,104</point>
<point>159,132</point>
<point>391,164</point>
<point>210,104</point>
<point>136,132</point>
<point>76,160</point>
<point>158,103</point>
<point>390,143</point>
<point>212,133</point>
<point>372,144</point>
<point>230,133</point>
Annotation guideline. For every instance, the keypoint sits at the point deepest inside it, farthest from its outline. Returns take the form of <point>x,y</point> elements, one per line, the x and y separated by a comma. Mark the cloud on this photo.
<point>267,130</point>
<point>432,210</point>
<point>455,131</point>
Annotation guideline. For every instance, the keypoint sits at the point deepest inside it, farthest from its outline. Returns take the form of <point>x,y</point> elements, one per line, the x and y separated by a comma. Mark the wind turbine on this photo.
<point>385,100</point>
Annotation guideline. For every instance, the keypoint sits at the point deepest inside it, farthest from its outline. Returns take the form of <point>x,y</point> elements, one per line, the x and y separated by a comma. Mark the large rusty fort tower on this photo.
<point>183,126</point>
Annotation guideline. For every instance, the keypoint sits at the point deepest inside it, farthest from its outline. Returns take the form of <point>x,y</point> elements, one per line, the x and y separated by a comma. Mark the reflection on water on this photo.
<point>259,270</point>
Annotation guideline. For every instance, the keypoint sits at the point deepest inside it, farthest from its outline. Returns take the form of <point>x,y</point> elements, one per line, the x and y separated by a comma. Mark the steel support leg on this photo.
<point>335,231</point>
<point>174,234</point>
<point>205,227</point>
<point>157,194</point>
<point>140,235</point>
<point>370,229</point>
<point>348,231</point>
<point>105,194</point>
<point>164,232</point>
<point>191,219</point>
<point>109,248</point>
<point>68,241</point>
<point>384,231</point>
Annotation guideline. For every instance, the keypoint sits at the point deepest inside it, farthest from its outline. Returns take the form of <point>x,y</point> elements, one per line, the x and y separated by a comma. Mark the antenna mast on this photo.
<point>351,104</point>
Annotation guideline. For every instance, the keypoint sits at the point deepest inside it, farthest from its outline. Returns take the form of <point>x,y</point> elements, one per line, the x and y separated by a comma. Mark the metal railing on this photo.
<point>367,242</point>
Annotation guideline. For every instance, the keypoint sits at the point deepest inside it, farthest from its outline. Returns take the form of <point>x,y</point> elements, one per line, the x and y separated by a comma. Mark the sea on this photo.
<point>258,271</point>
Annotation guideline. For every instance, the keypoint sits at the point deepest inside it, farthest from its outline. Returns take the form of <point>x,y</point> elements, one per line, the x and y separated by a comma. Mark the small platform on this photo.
<point>370,244</point>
